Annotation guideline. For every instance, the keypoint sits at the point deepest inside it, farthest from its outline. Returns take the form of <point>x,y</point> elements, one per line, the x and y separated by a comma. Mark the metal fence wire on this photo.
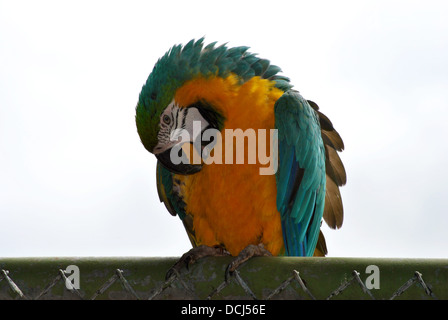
<point>265,278</point>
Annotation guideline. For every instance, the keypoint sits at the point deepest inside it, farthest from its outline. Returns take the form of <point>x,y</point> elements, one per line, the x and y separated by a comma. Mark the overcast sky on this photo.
<point>76,181</point>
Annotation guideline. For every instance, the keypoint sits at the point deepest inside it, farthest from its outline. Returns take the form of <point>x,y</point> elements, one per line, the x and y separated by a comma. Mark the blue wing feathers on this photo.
<point>165,188</point>
<point>286,176</point>
<point>300,147</point>
<point>302,208</point>
<point>290,234</point>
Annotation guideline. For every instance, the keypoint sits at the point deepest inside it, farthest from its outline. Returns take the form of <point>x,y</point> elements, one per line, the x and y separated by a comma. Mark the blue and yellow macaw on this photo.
<point>227,208</point>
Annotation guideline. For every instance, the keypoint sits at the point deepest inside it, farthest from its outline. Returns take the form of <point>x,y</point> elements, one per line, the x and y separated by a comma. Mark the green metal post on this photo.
<point>259,278</point>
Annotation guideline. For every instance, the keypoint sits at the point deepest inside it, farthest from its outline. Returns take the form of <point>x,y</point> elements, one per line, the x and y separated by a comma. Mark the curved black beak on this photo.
<point>184,167</point>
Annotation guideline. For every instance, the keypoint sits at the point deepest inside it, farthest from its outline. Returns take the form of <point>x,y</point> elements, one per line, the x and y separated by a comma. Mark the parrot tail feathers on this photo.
<point>321,247</point>
<point>335,171</point>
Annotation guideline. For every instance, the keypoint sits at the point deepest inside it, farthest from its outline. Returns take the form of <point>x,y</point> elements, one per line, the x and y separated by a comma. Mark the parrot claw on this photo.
<point>193,255</point>
<point>247,253</point>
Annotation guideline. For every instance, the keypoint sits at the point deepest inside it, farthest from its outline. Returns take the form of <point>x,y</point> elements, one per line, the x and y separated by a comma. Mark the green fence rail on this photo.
<point>266,278</point>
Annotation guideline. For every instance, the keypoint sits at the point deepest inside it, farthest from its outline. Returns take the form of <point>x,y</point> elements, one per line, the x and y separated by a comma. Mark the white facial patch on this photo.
<point>176,125</point>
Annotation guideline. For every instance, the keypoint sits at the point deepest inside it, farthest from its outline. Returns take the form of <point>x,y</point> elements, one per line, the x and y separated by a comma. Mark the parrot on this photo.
<point>228,208</point>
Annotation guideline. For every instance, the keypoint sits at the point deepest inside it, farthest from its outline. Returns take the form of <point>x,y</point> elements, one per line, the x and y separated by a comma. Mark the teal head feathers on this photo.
<point>182,63</point>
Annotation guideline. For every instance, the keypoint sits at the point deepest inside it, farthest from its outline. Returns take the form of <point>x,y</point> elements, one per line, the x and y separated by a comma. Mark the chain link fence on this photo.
<point>266,278</point>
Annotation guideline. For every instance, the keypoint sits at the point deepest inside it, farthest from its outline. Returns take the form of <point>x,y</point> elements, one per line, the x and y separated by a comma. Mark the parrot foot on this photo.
<point>247,253</point>
<point>193,255</point>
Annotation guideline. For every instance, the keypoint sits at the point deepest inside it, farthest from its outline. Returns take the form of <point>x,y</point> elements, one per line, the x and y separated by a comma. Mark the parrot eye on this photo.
<point>166,119</point>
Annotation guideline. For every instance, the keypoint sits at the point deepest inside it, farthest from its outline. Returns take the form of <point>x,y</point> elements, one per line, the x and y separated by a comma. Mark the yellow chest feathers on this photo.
<point>232,204</point>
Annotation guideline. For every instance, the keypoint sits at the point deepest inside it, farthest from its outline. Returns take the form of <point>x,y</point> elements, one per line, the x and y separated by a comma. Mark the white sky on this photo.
<point>76,181</point>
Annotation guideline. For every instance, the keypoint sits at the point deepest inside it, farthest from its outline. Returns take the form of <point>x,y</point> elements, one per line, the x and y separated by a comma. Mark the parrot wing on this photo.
<point>301,176</point>
<point>166,188</point>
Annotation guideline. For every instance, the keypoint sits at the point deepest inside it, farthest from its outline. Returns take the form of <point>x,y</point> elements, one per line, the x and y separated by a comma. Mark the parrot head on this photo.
<point>160,119</point>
